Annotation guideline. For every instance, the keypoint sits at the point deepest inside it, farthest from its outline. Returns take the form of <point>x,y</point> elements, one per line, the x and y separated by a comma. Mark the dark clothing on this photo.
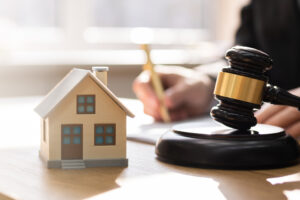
<point>273,26</point>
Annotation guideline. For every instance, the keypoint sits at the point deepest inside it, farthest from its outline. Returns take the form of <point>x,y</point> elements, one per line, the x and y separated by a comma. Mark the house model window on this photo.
<point>85,104</point>
<point>105,134</point>
<point>71,134</point>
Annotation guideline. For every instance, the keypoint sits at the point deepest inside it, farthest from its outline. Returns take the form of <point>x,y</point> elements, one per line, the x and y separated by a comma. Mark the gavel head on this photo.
<point>240,87</point>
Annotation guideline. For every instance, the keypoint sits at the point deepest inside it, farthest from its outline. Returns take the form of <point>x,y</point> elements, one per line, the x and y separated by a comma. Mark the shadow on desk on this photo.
<point>72,183</point>
<point>283,183</point>
<point>24,175</point>
<point>33,180</point>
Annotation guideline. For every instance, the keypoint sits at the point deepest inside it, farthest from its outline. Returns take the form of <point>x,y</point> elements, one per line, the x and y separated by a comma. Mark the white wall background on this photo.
<point>49,25</point>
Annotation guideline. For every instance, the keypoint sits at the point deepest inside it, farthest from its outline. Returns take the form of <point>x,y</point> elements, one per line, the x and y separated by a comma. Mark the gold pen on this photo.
<point>156,83</point>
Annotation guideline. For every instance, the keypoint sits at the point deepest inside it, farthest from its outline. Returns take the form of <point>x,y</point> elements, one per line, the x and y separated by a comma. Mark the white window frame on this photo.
<point>76,33</point>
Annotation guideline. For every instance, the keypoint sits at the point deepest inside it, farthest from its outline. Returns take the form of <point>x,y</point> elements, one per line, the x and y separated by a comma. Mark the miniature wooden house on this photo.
<point>83,124</point>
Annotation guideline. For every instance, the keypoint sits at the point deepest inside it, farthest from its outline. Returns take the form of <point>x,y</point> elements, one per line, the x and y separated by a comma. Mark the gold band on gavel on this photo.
<point>239,87</point>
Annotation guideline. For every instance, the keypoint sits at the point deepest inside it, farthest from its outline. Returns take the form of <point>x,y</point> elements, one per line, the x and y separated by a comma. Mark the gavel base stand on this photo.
<point>219,147</point>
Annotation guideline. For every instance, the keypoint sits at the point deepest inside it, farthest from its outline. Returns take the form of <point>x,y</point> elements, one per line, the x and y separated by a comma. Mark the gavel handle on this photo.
<point>276,95</point>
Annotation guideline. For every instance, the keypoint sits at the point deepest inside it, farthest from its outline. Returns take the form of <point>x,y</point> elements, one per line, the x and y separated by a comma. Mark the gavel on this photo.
<point>243,86</point>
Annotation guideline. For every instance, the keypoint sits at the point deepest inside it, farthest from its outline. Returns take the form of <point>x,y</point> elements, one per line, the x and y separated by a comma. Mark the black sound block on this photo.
<point>262,147</point>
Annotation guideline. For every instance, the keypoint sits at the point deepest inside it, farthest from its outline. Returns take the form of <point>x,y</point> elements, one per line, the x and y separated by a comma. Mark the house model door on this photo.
<point>71,141</point>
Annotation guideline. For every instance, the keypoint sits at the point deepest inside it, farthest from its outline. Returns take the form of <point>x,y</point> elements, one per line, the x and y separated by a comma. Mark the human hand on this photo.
<point>283,116</point>
<point>187,92</point>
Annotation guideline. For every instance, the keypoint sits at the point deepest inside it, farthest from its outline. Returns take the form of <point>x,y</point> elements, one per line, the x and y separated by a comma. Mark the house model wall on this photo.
<point>83,124</point>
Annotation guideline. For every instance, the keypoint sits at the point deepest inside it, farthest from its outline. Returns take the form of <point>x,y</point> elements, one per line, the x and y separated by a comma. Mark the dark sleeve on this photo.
<point>245,34</point>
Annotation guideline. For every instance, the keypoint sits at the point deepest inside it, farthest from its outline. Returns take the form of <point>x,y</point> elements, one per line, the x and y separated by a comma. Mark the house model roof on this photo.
<point>65,86</point>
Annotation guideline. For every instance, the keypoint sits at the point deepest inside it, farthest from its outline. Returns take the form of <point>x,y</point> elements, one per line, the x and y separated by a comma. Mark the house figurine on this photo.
<point>83,124</point>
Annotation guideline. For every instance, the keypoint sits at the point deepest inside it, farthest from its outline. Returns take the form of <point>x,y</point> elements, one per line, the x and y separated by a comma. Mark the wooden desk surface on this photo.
<point>23,175</point>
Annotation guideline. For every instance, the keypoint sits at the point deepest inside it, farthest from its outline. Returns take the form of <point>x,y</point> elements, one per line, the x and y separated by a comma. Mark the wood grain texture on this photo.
<point>23,175</point>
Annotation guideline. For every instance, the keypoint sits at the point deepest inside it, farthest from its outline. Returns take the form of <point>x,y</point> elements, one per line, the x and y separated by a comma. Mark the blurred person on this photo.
<point>272,26</point>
